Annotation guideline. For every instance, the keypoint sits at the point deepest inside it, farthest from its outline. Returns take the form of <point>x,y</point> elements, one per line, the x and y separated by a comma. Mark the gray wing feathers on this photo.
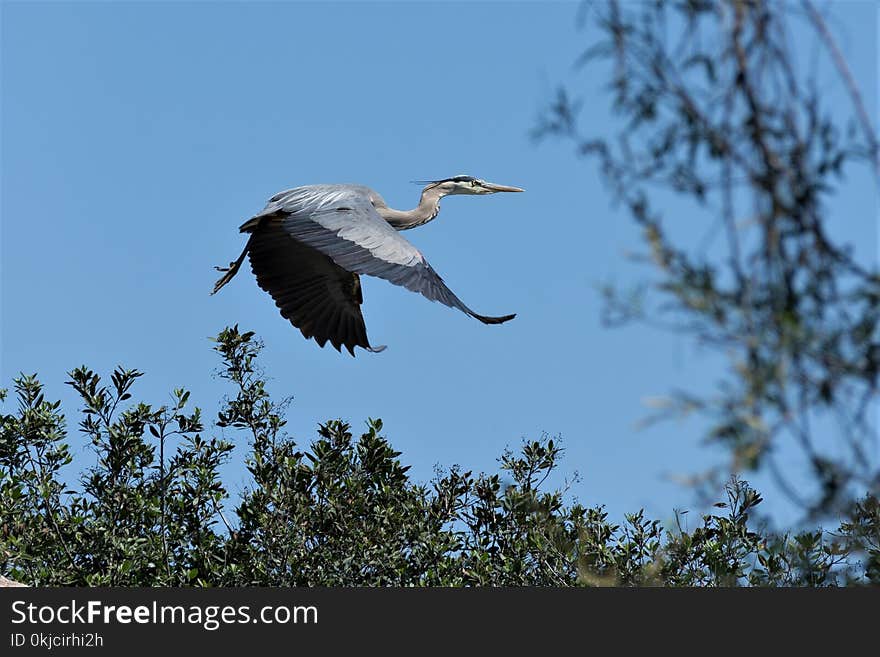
<point>341,222</point>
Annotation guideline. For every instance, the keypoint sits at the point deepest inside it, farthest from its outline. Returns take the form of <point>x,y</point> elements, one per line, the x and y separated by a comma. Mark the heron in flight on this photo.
<point>309,246</point>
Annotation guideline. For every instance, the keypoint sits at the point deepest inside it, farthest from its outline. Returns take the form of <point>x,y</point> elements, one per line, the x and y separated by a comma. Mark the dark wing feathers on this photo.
<point>318,296</point>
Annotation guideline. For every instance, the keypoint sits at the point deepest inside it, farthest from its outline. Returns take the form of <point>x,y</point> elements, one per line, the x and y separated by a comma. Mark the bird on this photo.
<point>309,246</point>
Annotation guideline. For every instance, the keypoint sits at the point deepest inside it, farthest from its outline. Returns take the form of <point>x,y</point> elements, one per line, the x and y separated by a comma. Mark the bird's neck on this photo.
<point>428,208</point>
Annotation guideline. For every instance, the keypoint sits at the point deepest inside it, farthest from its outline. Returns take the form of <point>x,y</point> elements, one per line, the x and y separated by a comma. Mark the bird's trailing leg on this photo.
<point>230,271</point>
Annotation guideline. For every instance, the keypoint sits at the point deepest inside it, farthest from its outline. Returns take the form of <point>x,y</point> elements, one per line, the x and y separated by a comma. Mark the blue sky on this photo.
<point>136,137</point>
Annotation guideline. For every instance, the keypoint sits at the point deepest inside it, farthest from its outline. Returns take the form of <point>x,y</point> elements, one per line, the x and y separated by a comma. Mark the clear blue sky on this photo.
<point>136,137</point>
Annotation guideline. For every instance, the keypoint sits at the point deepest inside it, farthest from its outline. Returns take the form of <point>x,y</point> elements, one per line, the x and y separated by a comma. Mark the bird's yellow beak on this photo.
<point>493,187</point>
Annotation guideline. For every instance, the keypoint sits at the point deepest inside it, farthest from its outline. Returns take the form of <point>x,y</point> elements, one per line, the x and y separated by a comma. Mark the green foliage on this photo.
<point>153,511</point>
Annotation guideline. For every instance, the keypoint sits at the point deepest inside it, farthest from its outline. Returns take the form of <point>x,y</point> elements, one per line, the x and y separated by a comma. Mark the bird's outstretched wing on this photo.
<point>319,297</point>
<point>340,222</point>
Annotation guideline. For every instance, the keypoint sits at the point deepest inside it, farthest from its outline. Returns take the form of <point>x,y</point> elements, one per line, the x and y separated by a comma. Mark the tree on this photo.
<point>713,108</point>
<point>153,510</point>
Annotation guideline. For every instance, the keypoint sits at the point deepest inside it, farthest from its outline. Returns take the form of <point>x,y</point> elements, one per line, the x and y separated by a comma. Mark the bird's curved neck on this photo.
<point>428,208</point>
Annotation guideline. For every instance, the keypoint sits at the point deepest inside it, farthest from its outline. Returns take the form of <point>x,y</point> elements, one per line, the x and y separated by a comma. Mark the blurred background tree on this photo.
<point>716,106</point>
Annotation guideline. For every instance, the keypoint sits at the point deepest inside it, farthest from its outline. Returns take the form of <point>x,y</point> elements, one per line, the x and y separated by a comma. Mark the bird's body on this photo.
<point>310,244</point>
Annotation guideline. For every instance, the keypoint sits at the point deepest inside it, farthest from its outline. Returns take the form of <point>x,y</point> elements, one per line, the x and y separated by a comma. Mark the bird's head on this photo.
<point>466,185</point>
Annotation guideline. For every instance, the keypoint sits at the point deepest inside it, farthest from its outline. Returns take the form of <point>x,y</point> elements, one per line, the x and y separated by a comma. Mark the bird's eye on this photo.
<point>474,183</point>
